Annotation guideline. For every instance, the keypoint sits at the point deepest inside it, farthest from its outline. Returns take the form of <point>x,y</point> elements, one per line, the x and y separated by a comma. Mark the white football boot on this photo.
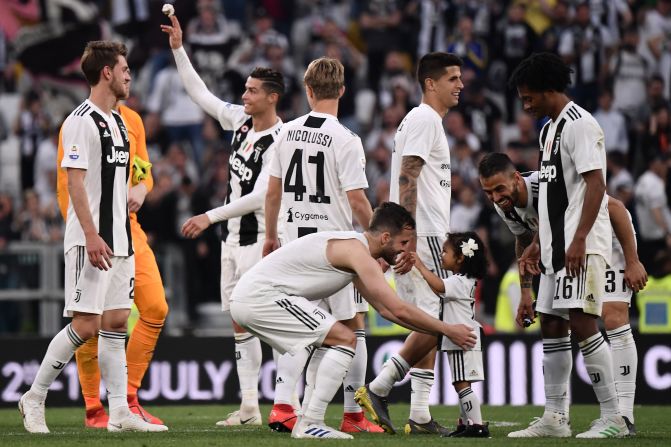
<point>31,408</point>
<point>612,426</point>
<point>551,425</point>
<point>133,422</point>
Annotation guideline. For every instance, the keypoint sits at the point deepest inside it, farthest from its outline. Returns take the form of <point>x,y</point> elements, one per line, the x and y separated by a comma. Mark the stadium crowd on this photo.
<point>620,51</point>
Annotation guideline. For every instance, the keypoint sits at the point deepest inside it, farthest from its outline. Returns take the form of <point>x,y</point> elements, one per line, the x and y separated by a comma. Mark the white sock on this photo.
<point>60,351</point>
<point>356,376</point>
<point>625,367</point>
<point>599,365</point>
<point>470,405</point>
<point>113,369</point>
<point>394,370</point>
<point>248,363</point>
<point>421,381</point>
<point>311,376</point>
<point>557,365</point>
<point>331,372</point>
<point>289,369</point>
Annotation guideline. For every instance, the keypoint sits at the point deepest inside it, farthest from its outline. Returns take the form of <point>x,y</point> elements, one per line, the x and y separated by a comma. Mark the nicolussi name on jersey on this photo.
<point>306,136</point>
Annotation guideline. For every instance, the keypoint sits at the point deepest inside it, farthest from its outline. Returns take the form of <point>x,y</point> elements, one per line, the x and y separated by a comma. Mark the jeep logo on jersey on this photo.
<point>238,166</point>
<point>548,172</point>
<point>118,157</point>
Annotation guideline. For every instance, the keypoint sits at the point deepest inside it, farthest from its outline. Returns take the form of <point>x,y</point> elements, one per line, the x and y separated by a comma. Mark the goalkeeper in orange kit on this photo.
<point>149,292</point>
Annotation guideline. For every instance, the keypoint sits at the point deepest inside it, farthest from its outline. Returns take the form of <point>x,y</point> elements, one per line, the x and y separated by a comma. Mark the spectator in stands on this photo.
<point>515,39</point>
<point>620,181</point>
<point>482,115</point>
<point>657,140</point>
<point>7,232</point>
<point>656,41</point>
<point>473,51</point>
<point>628,70</point>
<point>458,131</point>
<point>378,169</point>
<point>30,221</point>
<point>31,127</point>
<point>584,47</point>
<point>45,170</point>
<point>466,210</point>
<point>652,211</point>
<point>212,39</point>
<point>549,40</point>
<point>177,113</point>
<point>612,123</point>
<point>378,23</point>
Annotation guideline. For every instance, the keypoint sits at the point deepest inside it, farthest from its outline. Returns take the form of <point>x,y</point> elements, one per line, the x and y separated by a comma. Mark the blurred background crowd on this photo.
<point>620,51</point>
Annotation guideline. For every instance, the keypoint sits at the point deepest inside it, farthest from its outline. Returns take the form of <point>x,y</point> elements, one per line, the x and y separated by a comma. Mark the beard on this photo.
<point>389,255</point>
<point>118,90</point>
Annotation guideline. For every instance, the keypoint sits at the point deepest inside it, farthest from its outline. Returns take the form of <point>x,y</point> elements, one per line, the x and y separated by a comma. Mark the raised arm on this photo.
<point>193,84</point>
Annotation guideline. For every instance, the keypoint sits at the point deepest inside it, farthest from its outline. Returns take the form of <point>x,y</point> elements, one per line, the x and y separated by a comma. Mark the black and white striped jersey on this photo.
<point>571,145</point>
<point>523,220</point>
<point>250,152</point>
<point>98,143</point>
<point>318,160</point>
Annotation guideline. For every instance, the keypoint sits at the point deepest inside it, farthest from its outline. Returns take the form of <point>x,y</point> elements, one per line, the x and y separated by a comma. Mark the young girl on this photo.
<point>464,255</point>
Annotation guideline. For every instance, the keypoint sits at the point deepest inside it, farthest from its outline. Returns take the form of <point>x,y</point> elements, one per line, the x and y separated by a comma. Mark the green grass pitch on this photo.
<point>194,425</point>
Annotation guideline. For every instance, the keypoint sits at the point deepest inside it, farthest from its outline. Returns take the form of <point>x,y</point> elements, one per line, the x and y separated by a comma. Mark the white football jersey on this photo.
<point>98,143</point>
<point>459,307</point>
<point>570,146</point>
<point>522,220</point>
<point>299,268</point>
<point>251,153</point>
<point>421,134</point>
<point>318,161</point>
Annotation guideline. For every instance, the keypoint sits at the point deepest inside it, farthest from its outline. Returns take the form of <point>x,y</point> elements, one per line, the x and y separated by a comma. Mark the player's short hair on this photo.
<point>433,65</point>
<point>272,81</point>
<point>391,217</point>
<point>99,54</point>
<point>325,76</point>
<point>542,72</point>
<point>494,163</point>
<point>474,266</point>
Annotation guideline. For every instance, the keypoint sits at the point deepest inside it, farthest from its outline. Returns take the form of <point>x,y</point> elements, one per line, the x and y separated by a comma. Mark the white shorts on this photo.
<point>558,292</point>
<point>466,366</point>
<point>287,323</point>
<point>235,261</point>
<point>616,289</point>
<point>412,287</point>
<point>93,291</point>
<point>345,303</point>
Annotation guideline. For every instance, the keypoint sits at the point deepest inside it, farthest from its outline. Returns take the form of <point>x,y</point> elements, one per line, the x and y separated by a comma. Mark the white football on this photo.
<point>168,9</point>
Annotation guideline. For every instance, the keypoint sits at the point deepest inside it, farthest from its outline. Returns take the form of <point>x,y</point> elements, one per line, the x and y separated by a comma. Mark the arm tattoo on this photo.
<point>411,167</point>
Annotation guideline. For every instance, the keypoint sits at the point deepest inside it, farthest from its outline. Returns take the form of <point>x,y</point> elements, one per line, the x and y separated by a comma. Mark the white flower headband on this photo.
<point>468,248</point>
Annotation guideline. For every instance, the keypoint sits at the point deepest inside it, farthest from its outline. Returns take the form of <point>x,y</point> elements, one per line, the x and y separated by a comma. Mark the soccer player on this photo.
<point>318,177</point>
<point>255,125</point>
<point>275,301</point>
<point>421,182</point>
<point>515,198</point>
<point>99,263</point>
<point>573,227</point>
<point>463,254</point>
<point>149,292</point>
